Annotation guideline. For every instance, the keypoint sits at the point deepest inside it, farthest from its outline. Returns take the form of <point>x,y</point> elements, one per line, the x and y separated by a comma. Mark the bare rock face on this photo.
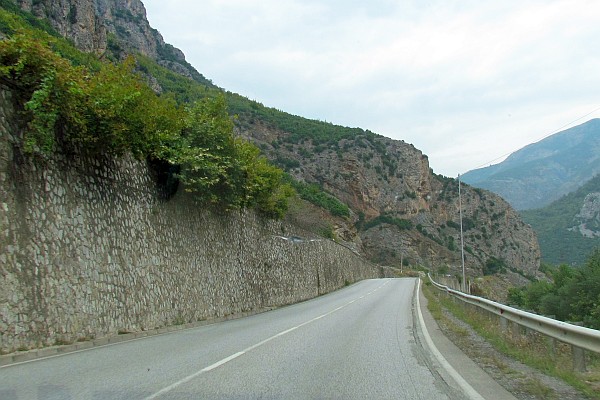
<point>88,22</point>
<point>74,19</point>
<point>402,211</point>
<point>126,19</point>
<point>119,27</point>
<point>588,218</point>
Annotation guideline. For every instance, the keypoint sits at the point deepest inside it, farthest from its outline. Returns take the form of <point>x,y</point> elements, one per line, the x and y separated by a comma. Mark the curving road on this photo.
<point>361,342</point>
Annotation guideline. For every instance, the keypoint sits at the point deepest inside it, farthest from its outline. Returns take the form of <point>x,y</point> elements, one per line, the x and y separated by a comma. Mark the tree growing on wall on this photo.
<point>221,169</point>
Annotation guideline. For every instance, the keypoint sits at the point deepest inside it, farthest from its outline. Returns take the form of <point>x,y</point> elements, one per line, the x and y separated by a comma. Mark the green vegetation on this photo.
<point>220,169</point>
<point>532,349</point>
<point>451,244</point>
<point>453,225</point>
<point>13,18</point>
<point>574,294</point>
<point>494,266</point>
<point>552,224</point>
<point>57,96</point>
<point>429,235</point>
<point>316,195</point>
<point>179,86</point>
<point>102,108</point>
<point>300,129</point>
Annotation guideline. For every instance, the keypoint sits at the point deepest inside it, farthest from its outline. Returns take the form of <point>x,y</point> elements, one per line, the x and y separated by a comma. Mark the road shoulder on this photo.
<point>476,377</point>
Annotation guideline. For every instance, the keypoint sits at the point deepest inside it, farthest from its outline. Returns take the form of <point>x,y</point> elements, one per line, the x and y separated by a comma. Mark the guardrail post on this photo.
<point>552,345</point>
<point>516,330</point>
<point>578,359</point>
<point>503,324</point>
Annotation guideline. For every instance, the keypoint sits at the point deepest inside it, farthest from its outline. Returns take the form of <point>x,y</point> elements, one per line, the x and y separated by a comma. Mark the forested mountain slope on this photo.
<point>373,194</point>
<point>544,171</point>
<point>569,228</point>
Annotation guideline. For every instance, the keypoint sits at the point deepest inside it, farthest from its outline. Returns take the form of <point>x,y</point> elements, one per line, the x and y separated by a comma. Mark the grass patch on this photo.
<point>538,389</point>
<point>433,305</point>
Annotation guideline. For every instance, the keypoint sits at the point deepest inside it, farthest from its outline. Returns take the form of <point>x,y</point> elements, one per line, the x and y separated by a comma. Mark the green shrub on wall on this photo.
<point>221,169</point>
<point>105,112</point>
<point>111,111</point>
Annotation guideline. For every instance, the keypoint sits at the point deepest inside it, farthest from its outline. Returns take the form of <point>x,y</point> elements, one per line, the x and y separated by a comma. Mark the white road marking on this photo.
<point>464,385</point>
<point>223,361</point>
<point>240,353</point>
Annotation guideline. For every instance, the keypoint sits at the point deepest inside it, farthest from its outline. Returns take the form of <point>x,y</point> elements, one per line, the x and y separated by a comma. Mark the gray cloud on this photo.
<point>464,81</point>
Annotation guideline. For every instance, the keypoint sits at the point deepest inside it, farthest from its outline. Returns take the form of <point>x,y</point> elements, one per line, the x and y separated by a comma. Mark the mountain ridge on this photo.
<point>569,228</point>
<point>399,209</point>
<point>542,172</point>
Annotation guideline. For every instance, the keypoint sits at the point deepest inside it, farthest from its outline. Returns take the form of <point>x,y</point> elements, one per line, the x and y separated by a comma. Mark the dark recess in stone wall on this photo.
<point>165,176</point>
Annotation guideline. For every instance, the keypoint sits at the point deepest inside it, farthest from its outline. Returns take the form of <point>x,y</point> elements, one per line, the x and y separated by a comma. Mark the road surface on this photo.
<point>362,342</point>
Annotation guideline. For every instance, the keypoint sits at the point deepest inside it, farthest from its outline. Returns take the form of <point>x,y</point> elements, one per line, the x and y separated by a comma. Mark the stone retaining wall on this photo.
<point>90,248</point>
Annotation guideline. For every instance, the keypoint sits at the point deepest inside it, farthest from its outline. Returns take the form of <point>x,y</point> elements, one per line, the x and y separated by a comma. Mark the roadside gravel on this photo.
<point>522,381</point>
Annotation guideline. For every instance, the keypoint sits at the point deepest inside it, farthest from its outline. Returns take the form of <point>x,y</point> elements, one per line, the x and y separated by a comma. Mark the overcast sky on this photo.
<point>464,81</point>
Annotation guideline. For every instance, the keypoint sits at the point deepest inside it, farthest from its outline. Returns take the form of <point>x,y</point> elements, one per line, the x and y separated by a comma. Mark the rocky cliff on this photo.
<point>588,218</point>
<point>76,20</point>
<point>400,210</point>
<point>112,28</point>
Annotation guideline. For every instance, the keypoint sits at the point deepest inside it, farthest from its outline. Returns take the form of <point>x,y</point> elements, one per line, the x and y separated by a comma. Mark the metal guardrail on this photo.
<point>577,336</point>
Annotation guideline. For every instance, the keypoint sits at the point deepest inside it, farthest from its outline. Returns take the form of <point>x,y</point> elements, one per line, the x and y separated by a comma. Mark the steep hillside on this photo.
<point>569,228</point>
<point>400,209</point>
<point>111,28</point>
<point>384,201</point>
<point>544,171</point>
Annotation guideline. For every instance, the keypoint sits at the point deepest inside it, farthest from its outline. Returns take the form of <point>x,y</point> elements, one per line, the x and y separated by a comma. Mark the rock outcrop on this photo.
<point>401,210</point>
<point>588,218</point>
<point>74,19</point>
<point>115,27</point>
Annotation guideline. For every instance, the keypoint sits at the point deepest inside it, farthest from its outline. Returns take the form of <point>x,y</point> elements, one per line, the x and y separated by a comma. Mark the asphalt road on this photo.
<point>361,342</point>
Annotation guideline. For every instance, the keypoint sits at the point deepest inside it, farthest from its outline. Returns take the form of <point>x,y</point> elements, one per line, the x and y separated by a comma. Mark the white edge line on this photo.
<point>464,385</point>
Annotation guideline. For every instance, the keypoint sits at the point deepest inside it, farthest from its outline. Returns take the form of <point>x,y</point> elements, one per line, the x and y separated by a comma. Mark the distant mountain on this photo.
<point>569,228</point>
<point>542,172</point>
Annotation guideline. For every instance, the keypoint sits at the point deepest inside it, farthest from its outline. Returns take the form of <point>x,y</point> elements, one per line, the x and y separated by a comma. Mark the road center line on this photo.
<point>240,353</point>
<point>223,361</point>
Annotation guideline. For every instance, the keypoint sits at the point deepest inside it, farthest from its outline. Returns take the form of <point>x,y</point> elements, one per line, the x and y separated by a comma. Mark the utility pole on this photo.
<point>462,243</point>
<point>401,259</point>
